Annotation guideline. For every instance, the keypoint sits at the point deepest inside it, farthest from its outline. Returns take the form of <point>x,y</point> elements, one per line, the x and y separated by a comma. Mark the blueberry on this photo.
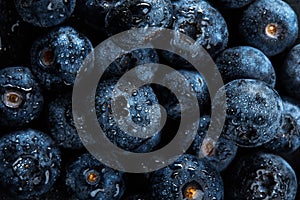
<point>253,111</point>
<point>203,23</point>
<point>21,97</point>
<point>187,178</point>
<point>245,62</point>
<point>90,179</point>
<point>61,123</point>
<point>197,84</point>
<point>218,153</point>
<point>287,139</point>
<point>127,14</point>
<point>138,109</point>
<point>261,176</point>
<point>234,4</point>
<point>290,72</point>
<point>57,57</point>
<point>45,13</point>
<point>29,163</point>
<point>269,25</point>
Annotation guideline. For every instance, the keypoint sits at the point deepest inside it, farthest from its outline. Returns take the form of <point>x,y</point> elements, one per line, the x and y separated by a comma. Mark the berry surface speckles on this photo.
<point>29,163</point>
<point>269,25</point>
<point>253,112</point>
<point>261,176</point>
<point>45,13</point>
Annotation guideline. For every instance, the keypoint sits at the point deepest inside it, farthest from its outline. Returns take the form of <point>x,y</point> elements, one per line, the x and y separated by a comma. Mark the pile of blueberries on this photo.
<point>255,45</point>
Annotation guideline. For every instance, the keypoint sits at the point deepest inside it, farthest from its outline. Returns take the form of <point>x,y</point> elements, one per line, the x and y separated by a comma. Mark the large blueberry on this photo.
<point>245,62</point>
<point>269,25</point>
<point>253,112</point>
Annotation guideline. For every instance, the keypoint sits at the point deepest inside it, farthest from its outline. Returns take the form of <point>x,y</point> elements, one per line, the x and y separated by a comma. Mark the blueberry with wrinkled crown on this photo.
<point>261,176</point>
<point>287,138</point>
<point>245,62</point>
<point>57,57</point>
<point>21,98</point>
<point>253,112</point>
<point>219,153</point>
<point>29,163</point>
<point>138,108</point>
<point>269,25</point>
<point>61,123</point>
<point>187,178</point>
<point>127,14</point>
<point>45,13</point>
<point>203,23</point>
<point>90,179</point>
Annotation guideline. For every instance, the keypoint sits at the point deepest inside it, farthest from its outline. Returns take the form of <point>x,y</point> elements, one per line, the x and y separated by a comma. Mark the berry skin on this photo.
<point>261,176</point>
<point>45,13</point>
<point>90,179</point>
<point>269,25</point>
<point>290,72</point>
<point>218,153</point>
<point>29,163</point>
<point>187,178</point>
<point>287,139</point>
<point>234,4</point>
<point>203,23</point>
<point>245,62</point>
<point>138,109</point>
<point>61,123</point>
<point>138,197</point>
<point>127,14</point>
<point>21,99</point>
<point>57,57</point>
<point>253,112</point>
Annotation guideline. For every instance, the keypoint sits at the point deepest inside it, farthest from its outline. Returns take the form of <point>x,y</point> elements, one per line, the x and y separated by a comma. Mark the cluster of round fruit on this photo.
<point>255,46</point>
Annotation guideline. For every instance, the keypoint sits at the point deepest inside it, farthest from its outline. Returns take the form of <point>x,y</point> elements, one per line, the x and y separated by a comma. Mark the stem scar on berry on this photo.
<point>272,30</point>
<point>192,191</point>
<point>92,177</point>
<point>47,57</point>
<point>12,99</point>
<point>208,147</point>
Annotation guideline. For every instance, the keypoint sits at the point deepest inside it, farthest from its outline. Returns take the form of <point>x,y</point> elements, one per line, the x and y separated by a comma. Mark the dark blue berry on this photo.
<point>127,14</point>
<point>269,25</point>
<point>290,72</point>
<point>61,123</point>
<point>218,153</point>
<point>203,23</point>
<point>45,13</point>
<point>261,176</point>
<point>138,197</point>
<point>138,109</point>
<point>21,98</point>
<point>187,178</point>
<point>253,111</point>
<point>287,138</point>
<point>57,57</point>
<point>90,179</point>
<point>29,163</point>
<point>245,62</point>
